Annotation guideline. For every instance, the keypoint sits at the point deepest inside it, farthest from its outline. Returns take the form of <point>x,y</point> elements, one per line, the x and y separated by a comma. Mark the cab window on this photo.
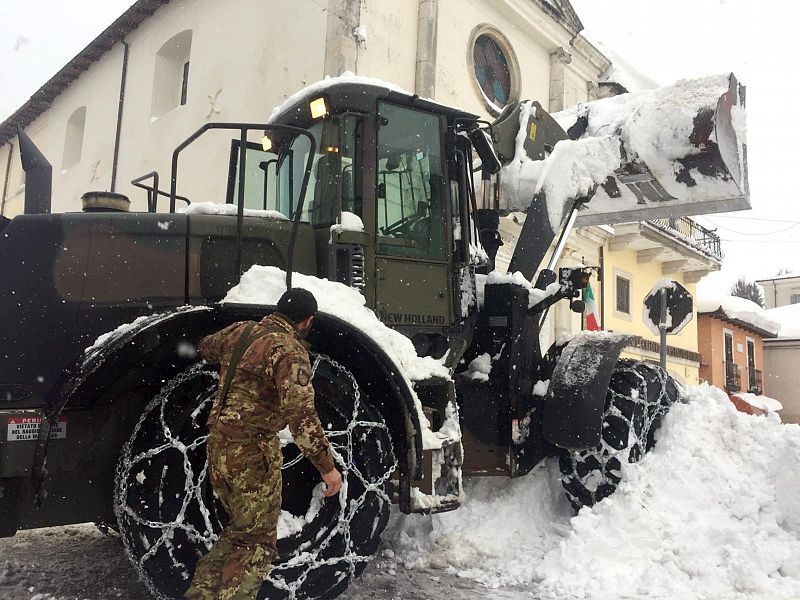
<point>411,209</point>
<point>274,181</point>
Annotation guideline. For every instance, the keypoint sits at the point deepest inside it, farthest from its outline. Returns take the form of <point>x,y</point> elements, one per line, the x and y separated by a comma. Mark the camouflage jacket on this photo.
<point>271,388</point>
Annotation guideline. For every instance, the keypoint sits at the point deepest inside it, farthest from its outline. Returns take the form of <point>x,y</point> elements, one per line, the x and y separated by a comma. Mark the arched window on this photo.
<point>495,72</point>
<point>73,140</point>
<point>171,77</point>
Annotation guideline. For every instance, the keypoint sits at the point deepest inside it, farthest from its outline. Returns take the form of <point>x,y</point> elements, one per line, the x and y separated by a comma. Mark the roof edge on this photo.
<point>42,98</point>
<point>722,316</point>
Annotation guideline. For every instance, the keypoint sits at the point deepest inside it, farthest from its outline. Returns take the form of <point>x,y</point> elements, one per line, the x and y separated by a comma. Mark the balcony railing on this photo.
<point>755,381</point>
<point>692,233</point>
<point>733,377</point>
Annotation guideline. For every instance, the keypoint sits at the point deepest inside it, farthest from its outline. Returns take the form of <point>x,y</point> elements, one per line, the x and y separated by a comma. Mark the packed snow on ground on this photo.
<point>712,512</point>
<point>741,309</point>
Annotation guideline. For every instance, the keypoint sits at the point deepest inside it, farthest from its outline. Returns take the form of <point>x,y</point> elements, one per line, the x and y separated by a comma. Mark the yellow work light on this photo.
<point>318,108</point>
<point>266,143</point>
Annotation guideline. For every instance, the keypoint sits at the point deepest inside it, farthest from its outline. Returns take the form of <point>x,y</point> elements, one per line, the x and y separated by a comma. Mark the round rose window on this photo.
<point>492,71</point>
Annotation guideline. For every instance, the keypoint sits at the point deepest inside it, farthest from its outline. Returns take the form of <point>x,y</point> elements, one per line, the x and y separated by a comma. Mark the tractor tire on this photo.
<point>169,517</point>
<point>639,395</point>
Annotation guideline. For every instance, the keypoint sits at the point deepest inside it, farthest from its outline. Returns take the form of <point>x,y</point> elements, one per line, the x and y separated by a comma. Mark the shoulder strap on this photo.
<point>242,344</point>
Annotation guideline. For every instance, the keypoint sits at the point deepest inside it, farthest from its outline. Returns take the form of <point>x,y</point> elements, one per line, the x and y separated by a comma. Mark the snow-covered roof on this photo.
<point>788,317</point>
<point>744,312</point>
<point>621,71</point>
<point>41,100</point>
<point>764,403</point>
<point>788,275</point>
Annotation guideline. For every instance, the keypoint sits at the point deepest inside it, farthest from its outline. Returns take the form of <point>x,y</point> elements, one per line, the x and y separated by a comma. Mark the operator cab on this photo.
<point>388,200</point>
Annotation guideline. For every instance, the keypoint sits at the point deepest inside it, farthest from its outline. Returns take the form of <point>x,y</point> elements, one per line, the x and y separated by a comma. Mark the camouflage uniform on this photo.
<point>271,388</point>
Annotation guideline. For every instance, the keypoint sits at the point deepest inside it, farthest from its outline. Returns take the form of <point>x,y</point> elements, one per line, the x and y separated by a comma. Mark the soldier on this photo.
<point>265,385</point>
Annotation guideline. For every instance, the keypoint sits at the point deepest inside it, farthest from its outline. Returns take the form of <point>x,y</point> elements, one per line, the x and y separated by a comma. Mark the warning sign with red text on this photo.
<point>27,428</point>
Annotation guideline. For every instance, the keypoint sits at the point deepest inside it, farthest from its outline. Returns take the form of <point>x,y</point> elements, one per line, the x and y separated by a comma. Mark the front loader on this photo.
<point>380,202</point>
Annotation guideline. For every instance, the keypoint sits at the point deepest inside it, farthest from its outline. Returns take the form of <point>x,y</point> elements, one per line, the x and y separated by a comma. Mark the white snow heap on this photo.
<point>349,222</point>
<point>731,480</point>
<point>788,319</point>
<point>760,402</point>
<point>265,285</point>
<point>480,367</point>
<point>652,128</point>
<point>739,309</point>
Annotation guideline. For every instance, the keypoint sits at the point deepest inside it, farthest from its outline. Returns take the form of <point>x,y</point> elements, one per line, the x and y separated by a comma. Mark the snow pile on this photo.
<point>712,512</point>
<point>213,208</point>
<point>762,403</point>
<point>349,222</point>
<point>739,309</point>
<point>479,368</point>
<point>788,319</point>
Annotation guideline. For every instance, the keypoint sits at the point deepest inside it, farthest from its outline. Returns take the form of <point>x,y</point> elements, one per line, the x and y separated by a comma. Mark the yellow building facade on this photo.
<point>634,259</point>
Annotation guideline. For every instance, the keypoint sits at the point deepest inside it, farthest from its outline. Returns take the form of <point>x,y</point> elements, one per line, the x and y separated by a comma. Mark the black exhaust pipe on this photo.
<point>38,176</point>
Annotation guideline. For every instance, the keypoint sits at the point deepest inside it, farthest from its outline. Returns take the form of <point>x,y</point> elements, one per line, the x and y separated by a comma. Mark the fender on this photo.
<point>572,412</point>
<point>155,338</point>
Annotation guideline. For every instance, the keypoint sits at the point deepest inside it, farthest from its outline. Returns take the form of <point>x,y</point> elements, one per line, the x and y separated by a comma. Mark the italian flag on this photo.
<point>592,316</point>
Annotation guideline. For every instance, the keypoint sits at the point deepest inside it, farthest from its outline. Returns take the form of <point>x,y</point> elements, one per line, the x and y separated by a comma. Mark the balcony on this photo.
<point>733,377</point>
<point>755,381</point>
<point>680,245</point>
<point>693,233</point>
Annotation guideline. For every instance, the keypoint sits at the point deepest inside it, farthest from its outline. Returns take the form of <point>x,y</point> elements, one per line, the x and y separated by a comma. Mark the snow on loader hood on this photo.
<point>265,285</point>
<point>712,512</point>
<point>674,151</point>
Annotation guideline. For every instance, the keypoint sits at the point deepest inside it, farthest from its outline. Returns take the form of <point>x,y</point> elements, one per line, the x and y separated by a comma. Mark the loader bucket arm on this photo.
<point>683,151</point>
<point>572,413</point>
<point>670,152</point>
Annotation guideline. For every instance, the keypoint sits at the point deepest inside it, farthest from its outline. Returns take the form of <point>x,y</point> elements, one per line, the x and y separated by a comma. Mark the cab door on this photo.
<point>412,235</point>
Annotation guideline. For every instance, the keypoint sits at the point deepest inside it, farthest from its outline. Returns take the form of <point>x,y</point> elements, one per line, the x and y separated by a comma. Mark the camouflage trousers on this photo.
<point>247,479</point>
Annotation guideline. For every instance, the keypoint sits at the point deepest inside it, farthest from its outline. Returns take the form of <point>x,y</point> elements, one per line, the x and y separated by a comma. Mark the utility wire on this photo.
<point>747,233</point>
<point>761,241</point>
<point>753,219</point>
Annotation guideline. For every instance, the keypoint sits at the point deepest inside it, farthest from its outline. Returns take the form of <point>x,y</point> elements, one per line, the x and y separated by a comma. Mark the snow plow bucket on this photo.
<point>683,151</point>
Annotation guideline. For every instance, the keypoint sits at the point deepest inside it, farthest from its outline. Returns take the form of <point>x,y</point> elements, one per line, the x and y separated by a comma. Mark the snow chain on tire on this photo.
<point>166,528</point>
<point>639,395</point>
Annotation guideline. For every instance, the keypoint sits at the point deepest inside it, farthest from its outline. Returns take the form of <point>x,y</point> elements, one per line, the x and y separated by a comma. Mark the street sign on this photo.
<point>667,310</point>
<point>679,307</point>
